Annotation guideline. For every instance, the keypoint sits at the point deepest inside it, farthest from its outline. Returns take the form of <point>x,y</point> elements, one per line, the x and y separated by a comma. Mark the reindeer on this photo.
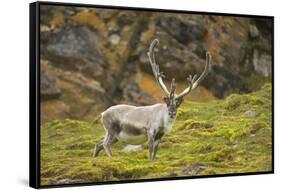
<point>137,124</point>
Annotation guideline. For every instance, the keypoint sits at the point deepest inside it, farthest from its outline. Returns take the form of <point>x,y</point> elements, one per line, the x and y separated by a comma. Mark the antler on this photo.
<point>191,79</point>
<point>173,89</point>
<point>159,75</point>
<point>155,68</point>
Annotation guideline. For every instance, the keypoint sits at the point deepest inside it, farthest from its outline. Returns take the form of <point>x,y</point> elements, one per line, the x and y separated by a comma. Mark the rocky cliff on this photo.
<point>93,58</point>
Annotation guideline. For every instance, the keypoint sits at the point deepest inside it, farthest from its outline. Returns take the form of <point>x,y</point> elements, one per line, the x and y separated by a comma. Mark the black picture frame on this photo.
<point>34,93</point>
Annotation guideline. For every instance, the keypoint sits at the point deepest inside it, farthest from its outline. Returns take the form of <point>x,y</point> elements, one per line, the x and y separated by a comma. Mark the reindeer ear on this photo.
<point>166,100</point>
<point>178,102</point>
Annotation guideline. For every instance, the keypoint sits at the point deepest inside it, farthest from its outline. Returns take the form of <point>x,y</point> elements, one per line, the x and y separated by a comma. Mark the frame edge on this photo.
<point>34,166</point>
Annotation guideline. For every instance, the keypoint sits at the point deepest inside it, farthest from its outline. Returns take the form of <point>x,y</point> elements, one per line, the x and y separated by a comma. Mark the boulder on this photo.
<point>48,87</point>
<point>250,113</point>
<point>132,147</point>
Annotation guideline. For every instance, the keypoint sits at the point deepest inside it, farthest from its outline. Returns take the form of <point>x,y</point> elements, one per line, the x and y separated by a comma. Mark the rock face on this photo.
<point>93,58</point>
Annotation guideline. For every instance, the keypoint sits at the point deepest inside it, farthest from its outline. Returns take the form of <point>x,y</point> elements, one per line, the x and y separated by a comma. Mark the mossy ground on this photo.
<point>216,136</point>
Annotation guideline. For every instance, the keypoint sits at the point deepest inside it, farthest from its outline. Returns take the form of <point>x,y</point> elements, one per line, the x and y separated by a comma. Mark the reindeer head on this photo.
<point>172,100</point>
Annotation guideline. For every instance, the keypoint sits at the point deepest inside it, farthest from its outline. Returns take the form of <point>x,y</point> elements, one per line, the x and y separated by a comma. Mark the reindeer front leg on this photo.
<point>154,139</point>
<point>150,138</point>
<point>155,149</point>
<point>157,140</point>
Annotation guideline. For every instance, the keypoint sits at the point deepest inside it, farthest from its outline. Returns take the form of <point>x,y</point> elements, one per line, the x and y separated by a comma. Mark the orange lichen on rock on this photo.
<point>90,18</point>
<point>150,32</point>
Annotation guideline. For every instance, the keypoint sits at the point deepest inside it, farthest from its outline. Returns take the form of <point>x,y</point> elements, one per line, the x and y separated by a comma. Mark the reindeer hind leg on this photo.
<point>110,131</point>
<point>98,148</point>
<point>109,138</point>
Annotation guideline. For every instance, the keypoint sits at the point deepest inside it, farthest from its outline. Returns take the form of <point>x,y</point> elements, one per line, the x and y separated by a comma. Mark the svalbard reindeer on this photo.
<point>138,124</point>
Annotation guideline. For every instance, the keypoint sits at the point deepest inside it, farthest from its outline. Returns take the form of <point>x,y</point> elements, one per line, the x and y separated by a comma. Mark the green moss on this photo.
<point>256,81</point>
<point>216,134</point>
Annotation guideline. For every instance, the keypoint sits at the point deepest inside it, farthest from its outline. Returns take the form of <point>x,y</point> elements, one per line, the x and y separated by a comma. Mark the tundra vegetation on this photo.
<point>233,135</point>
